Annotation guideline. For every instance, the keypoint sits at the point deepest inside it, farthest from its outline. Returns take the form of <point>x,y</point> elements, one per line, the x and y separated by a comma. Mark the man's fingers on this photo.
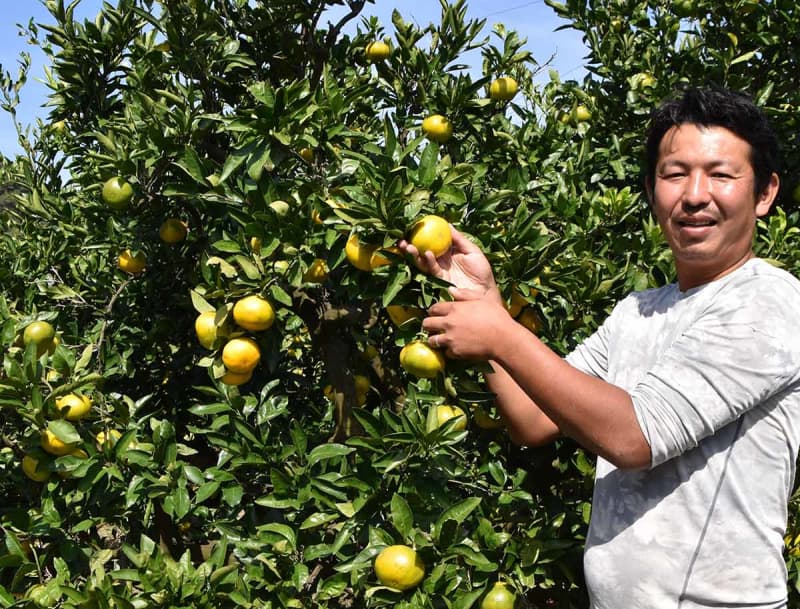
<point>461,243</point>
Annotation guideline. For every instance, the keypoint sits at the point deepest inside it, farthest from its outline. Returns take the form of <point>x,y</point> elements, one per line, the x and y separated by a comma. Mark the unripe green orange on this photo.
<point>173,230</point>
<point>40,333</point>
<point>117,193</point>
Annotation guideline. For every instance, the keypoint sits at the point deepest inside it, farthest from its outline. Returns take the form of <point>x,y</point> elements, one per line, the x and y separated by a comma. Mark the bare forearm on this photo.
<point>525,421</point>
<point>600,416</point>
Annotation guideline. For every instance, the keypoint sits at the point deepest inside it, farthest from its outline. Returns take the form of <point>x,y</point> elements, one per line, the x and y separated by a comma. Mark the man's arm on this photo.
<point>598,415</point>
<point>525,422</point>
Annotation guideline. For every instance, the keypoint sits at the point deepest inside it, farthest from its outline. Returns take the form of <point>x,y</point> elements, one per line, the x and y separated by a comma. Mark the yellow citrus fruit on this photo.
<point>531,320</point>
<point>400,314</point>
<point>377,50</point>
<point>421,360</point>
<point>503,88</point>
<point>445,413</point>
<point>581,113</point>
<point>431,233</point>
<point>73,406</point>
<point>59,127</point>
<point>255,244</point>
<point>205,328</point>
<point>131,264</point>
<point>369,353</point>
<point>117,193</point>
<point>281,208</point>
<point>41,334</point>
<point>379,259</point>
<point>107,440</point>
<point>51,444</point>
<point>317,272</point>
<point>399,567</point>
<point>30,467</point>
<point>253,313</point>
<point>499,597</point>
<point>173,230</point>
<point>362,384</point>
<point>236,378</point>
<point>241,355</point>
<point>642,80</point>
<point>484,420</point>
<point>516,304</point>
<point>359,254</point>
<point>307,154</point>
<point>437,128</point>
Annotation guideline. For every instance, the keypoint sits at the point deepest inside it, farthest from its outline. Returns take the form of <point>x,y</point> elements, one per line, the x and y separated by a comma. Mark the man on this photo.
<point>689,394</point>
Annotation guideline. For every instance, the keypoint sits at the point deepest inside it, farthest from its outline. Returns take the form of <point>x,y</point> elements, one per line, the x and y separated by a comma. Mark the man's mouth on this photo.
<point>696,222</point>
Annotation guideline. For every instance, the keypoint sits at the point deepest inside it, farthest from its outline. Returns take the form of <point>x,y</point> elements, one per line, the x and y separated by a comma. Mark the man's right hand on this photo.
<point>464,266</point>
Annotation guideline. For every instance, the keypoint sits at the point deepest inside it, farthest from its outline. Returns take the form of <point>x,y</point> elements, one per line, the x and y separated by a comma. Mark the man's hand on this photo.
<point>464,266</point>
<point>469,328</point>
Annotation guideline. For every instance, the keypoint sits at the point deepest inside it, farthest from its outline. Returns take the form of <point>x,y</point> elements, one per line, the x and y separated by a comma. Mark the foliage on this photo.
<point>281,491</point>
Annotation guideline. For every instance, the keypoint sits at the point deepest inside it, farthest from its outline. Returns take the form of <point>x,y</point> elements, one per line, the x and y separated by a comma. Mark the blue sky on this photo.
<point>532,19</point>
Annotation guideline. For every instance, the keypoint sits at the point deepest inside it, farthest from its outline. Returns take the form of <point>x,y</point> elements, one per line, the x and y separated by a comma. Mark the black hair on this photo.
<point>717,107</point>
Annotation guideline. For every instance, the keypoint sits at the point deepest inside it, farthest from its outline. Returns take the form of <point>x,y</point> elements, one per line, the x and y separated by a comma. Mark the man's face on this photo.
<point>703,197</point>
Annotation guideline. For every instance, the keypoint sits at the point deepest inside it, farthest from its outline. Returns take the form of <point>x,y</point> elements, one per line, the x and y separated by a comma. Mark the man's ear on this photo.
<point>765,199</point>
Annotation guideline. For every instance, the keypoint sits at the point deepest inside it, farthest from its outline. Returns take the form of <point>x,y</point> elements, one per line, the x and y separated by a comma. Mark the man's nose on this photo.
<point>698,189</point>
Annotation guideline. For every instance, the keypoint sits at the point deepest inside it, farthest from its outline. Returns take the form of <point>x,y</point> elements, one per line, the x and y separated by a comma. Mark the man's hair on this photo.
<point>717,107</point>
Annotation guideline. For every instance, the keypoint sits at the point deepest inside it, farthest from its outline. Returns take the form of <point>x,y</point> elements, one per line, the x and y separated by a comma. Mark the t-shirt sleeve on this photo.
<point>734,356</point>
<point>591,356</point>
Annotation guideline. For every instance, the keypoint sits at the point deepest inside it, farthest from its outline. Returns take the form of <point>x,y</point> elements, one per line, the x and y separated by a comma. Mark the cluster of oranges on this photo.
<point>117,193</point>
<point>71,407</point>
<point>437,127</point>
<point>401,568</point>
<point>240,354</point>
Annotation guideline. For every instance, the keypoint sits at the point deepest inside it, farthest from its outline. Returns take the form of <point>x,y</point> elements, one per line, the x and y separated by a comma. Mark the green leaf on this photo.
<point>250,270</point>
<point>64,431</point>
<point>427,165</point>
<point>232,495</point>
<point>457,512</point>
<point>279,294</point>
<point>328,451</point>
<point>200,304</point>
<point>233,162</point>
<point>744,57</point>
<point>467,599</point>
<point>229,247</point>
<point>209,489</point>
<point>192,165</point>
<point>317,519</point>
<point>402,516</point>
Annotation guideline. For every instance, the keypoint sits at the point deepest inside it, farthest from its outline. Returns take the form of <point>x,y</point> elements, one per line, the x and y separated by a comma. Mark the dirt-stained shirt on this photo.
<point>714,376</point>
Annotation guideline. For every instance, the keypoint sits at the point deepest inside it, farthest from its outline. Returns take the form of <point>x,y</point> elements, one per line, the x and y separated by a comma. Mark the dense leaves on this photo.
<point>275,150</point>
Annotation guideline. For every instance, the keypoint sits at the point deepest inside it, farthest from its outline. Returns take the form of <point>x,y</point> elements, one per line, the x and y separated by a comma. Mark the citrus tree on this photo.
<point>215,385</point>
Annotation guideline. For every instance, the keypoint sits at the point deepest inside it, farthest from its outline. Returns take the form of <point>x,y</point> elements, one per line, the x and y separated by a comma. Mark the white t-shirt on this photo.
<point>714,375</point>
